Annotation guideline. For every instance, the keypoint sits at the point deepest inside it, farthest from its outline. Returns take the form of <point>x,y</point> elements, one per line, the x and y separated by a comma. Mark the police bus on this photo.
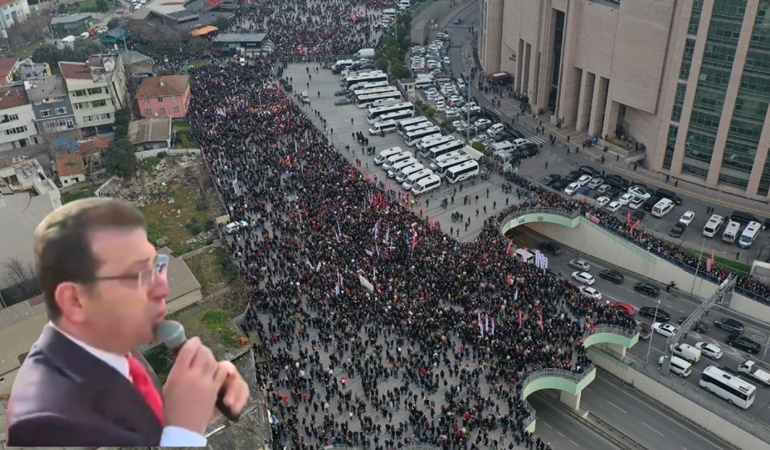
<point>462,171</point>
<point>425,145</point>
<point>731,388</point>
<point>413,137</point>
<point>442,149</point>
<point>442,166</point>
<point>402,125</point>
<point>375,113</point>
<point>397,115</point>
<point>366,77</point>
<point>366,100</point>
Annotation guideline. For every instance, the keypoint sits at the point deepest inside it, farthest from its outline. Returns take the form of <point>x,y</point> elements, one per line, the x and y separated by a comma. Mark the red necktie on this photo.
<point>143,383</point>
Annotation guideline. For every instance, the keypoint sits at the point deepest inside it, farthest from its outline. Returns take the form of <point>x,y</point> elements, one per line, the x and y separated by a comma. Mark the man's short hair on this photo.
<point>62,242</point>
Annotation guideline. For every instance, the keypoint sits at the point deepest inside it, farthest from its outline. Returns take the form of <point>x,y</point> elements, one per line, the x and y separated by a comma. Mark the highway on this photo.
<point>561,429</point>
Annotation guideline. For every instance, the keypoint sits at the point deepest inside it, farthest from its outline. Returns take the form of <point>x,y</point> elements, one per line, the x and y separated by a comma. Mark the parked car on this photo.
<point>571,189</point>
<point>687,218</point>
<point>343,101</point>
<point>341,92</point>
<point>637,215</point>
<point>559,185</point>
<point>656,314</point>
<point>743,343</point>
<point>232,227</point>
<point>710,350</point>
<point>580,265</point>
<point>583,277</point>
<point>595,183</point>
<point>588,170</point>
<point>677,230</point>
<point>612,276</point>
<point>644,330</point>
<point>625,308</point>
<point>625,199</point>
<point>639,192</point>
<point>550,179</point>
<point>591,292</point>
<point>646,289</point>
<point>603,188</point>
<point>614,206</point>
<point>550,247</point>
<point>583,180</point>
<point>664,329</point>
<point>602,201</point>
<point>699,327</point>
<point>731,325</point>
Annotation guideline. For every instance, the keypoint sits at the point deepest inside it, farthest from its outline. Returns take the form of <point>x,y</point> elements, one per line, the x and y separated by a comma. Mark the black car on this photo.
<point>658,314</point>
<point>559,185</point>
<point>527,150</point>
<point>550,247</point>
<point>618,182</point>
<point>637,215</point>
<point>650,202</point>
<point>341,92</point>
<point>549,179</point>
<point>646,289</point>
<point>588,170</point>
<point>612,276</point>
<point>572,176</point>
<point>343,101</point>
<point>731,325</point>
<point>677,230</point>
<point>743,343</point>
<point>700,326</point>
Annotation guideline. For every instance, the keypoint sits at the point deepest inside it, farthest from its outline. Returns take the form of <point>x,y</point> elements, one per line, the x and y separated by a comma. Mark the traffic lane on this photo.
<point>628,411</point>
<point>560,429</point>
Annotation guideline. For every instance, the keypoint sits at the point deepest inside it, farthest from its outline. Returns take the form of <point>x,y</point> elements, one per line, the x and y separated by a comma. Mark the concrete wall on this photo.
<point>677,402</point>
<point>590,239</point>
<point>184,301</point>
<point>172,151</point>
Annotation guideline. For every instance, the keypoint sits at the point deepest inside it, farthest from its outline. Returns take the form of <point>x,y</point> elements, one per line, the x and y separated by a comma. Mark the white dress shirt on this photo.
<point>172,436</point>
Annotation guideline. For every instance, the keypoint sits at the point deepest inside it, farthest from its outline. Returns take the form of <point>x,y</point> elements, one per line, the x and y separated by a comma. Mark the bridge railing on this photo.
<point>575,377</point>
<point>612,328</point>
<point>569,213</point>
<point>413,446</point>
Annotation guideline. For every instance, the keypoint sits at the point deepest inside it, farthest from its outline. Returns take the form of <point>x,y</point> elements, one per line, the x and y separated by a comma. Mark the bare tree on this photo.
<point>19,276</point>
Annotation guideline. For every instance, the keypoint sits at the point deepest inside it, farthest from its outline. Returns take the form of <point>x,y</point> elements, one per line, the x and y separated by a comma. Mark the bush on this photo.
<point>451,128</point>
<point>424,106</point>
<point>488,151</point>
<point>419,104</point>
<point>479,146</point>
<point>430,112</point>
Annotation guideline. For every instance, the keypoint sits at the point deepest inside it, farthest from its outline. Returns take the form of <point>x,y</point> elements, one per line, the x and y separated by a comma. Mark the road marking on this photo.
<point>546,424</point>
<point>559,433</point>
<point>617,406</point>
<point>575,443</point>
<point>653,429</point>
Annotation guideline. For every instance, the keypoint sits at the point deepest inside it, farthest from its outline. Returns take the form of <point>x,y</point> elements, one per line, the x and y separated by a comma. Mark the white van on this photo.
<point>389,13</point>
<point>732,231</point>
<point>663,207</point>
<point>495,129</point>
<point>426,184</point>
<point>749,234</point>
<point>387,153</point>
<point>424,81</point>
<point>383,126</point>
<point>678,366</point>
<point>505,146</point>
<point>342,64</point>
<point>388,163</point>
<point>403,5</point>
<point>396,168</point>
<point>408,170</point>
<point>713,225</point>
<point>525,256</point>
<point>412,179</point>
<point>687,352</point>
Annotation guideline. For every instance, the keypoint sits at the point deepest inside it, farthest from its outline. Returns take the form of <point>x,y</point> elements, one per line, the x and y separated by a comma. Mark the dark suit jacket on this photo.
<point>65,396</point>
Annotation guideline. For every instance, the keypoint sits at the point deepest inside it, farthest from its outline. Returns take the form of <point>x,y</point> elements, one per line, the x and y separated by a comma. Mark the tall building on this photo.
<point>686,81</point>
<point>13,11</point>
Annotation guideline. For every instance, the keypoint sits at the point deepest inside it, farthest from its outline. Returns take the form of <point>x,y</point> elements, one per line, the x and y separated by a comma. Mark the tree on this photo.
<point>102,6</point>
<point>113,23</point>
<point>223,23</point>
<point>20,276</point>
<point>120,159</point>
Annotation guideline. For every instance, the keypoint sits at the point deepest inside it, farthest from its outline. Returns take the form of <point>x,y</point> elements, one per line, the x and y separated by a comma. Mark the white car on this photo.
<point>664,329</point>
<point>687,218</point>
<point>636,203</point>
<point>710,350</point>
<point>614,206</point>
<point>591,292</point>
<point>583,180</point>
<point>583,277</point>
<point>602,201</point>
<point>580,264</point>
<point>572,189</point>
<point>232,227</point>
<point>603,188</point>
<point>482,124</point>
<point>595,183</point>
<point>625,199</point>
<point>639,191</point>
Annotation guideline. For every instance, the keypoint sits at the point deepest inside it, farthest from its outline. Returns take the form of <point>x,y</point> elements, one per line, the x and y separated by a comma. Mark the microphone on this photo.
<point>171,333</point>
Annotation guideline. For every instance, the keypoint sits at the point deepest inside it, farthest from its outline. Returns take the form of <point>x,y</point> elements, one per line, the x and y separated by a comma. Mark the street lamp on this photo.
<point>649,346</point>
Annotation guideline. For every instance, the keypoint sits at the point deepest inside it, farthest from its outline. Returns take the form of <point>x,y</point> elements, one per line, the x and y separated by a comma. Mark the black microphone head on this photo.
<point>170,333</point>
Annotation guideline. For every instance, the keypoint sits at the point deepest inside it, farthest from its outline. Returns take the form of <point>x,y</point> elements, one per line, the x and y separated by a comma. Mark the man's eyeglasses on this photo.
<point>146,278</point>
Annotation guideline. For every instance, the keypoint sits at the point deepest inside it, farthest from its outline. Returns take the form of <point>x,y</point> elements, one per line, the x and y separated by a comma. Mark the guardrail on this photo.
<point>612,328</point>
<point>414,446</point>
<point>680,386</point>
<point>573,376</point>
<point>571,214</point>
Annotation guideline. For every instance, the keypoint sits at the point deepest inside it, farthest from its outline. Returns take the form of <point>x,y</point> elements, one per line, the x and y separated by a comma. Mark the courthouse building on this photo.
<point>686,81</point>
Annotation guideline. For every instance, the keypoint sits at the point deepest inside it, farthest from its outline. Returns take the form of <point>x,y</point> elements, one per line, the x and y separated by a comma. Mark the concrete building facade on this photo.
<point>686,82</point>
<point>17,119</point>
<point>51,104</point>
<point>165,96</point>
<point>13,11</point>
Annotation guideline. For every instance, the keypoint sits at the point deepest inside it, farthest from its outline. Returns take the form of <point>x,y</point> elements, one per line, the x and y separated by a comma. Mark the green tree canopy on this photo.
<point>120,159</point>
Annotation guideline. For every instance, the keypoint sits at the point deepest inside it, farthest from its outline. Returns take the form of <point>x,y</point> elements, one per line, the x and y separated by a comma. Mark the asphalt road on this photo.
<point>560,429</point>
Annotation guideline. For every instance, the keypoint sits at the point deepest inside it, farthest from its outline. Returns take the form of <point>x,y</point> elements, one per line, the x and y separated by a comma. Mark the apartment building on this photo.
<point>686,82</point>
<point>17,119</point>
<point>97,89</point>
<point>166,96</point>
<point>51,104</point>
<point>13,11</point>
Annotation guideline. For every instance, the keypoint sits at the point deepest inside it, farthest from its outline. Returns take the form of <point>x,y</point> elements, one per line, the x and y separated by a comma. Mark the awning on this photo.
<point>499,76</point>
<point>473,153</point>
<point>204,31</point>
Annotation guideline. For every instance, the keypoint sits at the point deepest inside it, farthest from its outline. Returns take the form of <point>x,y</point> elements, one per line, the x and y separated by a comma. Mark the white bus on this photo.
<point>425,145</point>
<point>403,124</point>
<point>369,85</point>
<point>375,113</point>
<point>462,172</point>
<point>413,137</point>
<point>367,100</point>
<point>367,77</point>
<point>412,179</point>
<point>731,388</point>
<point>445,148</point>
<point>395,116</point>
<point>383,126</point>
<point>426,184</point>
<point>450,155</point>
<point>749,234</point>
<point>359,91</point>
<point>395,169</point>
<point>442,166</point>
<point>408,170</point>
<point>416,126</point>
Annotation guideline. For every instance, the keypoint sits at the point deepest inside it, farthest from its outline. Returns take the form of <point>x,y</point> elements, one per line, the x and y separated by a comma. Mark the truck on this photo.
<point>751,369</point>
<point>367,53</point>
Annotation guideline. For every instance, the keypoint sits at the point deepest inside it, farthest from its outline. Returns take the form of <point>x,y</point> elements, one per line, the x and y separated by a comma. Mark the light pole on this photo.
<point>700,255</point>
<point>649,347</point>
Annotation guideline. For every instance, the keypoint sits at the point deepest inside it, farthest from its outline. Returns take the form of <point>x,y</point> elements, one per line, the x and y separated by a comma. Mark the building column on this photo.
<point>598,105</point>
<point>585,96</point>
<point>518,77</point>
<point>610,118</point>
<point>619,349</point>
<point>526,70</point>
<point>573,401</point>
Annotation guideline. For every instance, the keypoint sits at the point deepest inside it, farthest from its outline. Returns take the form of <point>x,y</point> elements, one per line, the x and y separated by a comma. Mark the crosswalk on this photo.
<point>536,139</point>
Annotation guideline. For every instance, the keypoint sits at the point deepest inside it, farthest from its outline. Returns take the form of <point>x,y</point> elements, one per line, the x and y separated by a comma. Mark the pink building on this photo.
<point>164,96</point>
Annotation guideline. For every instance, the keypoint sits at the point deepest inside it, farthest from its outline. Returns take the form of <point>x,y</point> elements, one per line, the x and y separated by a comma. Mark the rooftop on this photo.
<point>70,18</point>
<point>98,68</point>
<point>163,86</point>
<point>12,97</point>
<point>74,71</point>
<point>45,87</point>
<point>31,69</point>
<point>97,143</point>
<point>68,164</point>
<point>184,281</point>
<point>7,65</point>
<point>20,326</point>
<point>154,129</point>
<point>133,57</point>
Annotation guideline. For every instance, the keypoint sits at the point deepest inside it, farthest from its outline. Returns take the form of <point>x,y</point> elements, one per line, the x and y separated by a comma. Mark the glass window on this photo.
<point>733,181</point>
<point>697,7</point>
<point>673,130</point>
<point>764,180</point>
<point>689,49</point>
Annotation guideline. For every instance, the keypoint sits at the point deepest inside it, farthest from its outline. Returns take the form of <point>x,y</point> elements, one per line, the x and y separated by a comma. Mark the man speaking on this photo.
<point>105,289</point>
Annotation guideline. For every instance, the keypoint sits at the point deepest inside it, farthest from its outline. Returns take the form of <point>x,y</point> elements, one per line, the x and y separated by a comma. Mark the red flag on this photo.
<point>541,320</point>
<point>628,218</point>
<point>509,250</point>
<point>713,259</point>
<point>709,263</point>
<point>510,279</point>
<point>636,224</point>
<point>521,319</point>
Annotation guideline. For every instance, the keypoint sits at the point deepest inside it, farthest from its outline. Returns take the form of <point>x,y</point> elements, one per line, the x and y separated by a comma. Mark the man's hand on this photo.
<point>191,389</point>
<point>235,389</point>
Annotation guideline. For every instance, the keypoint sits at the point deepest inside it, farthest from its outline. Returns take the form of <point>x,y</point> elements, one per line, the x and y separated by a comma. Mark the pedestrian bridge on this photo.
<point>571,384</point>
<point>564,217</point>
